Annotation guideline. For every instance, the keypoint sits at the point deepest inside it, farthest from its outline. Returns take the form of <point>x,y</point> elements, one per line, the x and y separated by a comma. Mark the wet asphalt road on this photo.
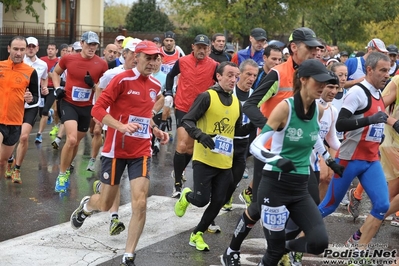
<point>33,205</point>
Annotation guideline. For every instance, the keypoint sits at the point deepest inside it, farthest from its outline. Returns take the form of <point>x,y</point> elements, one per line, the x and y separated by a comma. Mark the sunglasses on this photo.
<point>31,46</point>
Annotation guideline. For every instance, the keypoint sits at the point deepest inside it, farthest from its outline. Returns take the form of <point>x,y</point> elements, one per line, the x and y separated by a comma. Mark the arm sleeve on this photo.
<point>258,149</point>
<point>344,123</point>
<point>321,149</point>
<point>170,78</point>
<point>197,110</point>
<point>34,87</point>
<point>251,108</point>
<point>332,138</point>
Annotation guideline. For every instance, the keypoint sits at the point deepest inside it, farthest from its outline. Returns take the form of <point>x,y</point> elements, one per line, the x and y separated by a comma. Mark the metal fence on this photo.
<point>60,33</point>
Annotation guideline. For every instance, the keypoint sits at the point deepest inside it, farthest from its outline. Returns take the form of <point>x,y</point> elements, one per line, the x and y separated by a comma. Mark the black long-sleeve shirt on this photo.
<point>251,108</point>
<point>33,85</point>
<point>201,105</point>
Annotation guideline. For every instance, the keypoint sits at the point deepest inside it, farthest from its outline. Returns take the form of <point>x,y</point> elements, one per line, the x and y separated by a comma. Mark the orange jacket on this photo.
<point>14,80</point>
<point>285,72</point>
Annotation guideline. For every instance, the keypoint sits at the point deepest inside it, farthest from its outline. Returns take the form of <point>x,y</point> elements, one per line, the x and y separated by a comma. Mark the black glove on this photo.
<point>88,80</point>
<point>163,125</point>
<point>59,93</point>
<point>285,165</point>
<point>383,138</point>
<point>337,168</point>
<point>396,126</point>
<point>206,140</point>
<point>62,83</point>
<point>379,117</point>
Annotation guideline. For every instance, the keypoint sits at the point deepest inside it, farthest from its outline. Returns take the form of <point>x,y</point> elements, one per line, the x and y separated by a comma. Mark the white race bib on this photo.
<point>340,135</point>
<point>144,132</point>
<point>41,104</point>
<point>375,132</point>
<point>165,68</point>
<point>245,119</point>
<point>81,94</point>
<point>274,218</point>
<point>223,145</point>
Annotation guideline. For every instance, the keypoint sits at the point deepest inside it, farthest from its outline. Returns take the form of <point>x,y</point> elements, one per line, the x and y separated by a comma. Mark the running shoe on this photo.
<point>50,117</point>
<point>97,187</point>
<point>182,204</point>
<point>56,143</point>
<point>176,192</point>
<point>79,215</point>
<point>284,261</point>
<point>91,165</point>
<point>62,183</point>
<point>230,260</point>
<point>245,197</point>
<point>246,173</point>
<point>129,261</point>
<point>183,176</point>
<point>395,220</point>
<point>54,131</point>
<point>295,258</point>
<point>214,228</point>
<point>10,168</point>
<point>353,241</point>
<point>229,205</point>
<point>116,227</point>
<point>354,203</point>
<point>16,176</point>
<point>198,242</point>
<point>156,147</point>
<point>345,200</point>
<point>38,139</point>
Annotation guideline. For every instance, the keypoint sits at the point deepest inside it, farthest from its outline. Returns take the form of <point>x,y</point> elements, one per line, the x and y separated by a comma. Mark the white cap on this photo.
<point>120,38</point>
<point>131,44</point>
<point>32,40</point>
<point>378,45</point>
<point>77,46</point>
<point>285,51</point>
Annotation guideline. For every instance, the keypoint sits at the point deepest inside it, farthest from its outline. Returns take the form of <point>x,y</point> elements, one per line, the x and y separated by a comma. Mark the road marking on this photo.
<point>92,245</point>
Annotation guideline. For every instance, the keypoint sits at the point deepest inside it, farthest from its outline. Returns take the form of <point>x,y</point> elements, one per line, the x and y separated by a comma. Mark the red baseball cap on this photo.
<point>147,47</point>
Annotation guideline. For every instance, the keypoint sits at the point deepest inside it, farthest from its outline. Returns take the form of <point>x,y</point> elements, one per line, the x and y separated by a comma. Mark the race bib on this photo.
<point>223,145</point>
<point>324,128</point>
<point>144,132</point>
<point>340,135</point>
<point>274,218</point>
<point>41,102</point>
<point>245,119</point>
<point>375,132</point>
<point>166,68</point>
<point>81,94</point>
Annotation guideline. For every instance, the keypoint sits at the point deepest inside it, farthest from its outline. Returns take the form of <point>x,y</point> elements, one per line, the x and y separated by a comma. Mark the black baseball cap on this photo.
<point>315,69</point>
<point>201,39</point>
<point>156,39</point>
<point>259,34</point>
<point>307,36</point>
<point>170,34</point>
<point>392,49</point>
<point>344,53</point>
